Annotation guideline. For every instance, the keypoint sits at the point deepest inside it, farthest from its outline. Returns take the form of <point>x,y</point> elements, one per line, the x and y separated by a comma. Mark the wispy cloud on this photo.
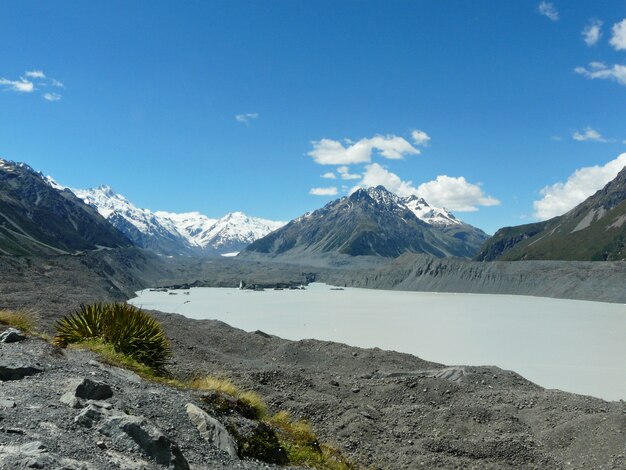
<point>600,71</point>
<point>618,35</point>
<point>548,10</point>
<point>331,191</point>
<point>589,134</point>
<point>561,197</point>
<point>329,176</point>
<point>344,173</point>
<point>246,117</point>
<point>35,74</point>
<point>592,32</point>
<point>454,193</point>
<point>333,152</point>
<point>33,80</point>
<point>420,137</point>
<point>51,96</point>
<point>21,86</point>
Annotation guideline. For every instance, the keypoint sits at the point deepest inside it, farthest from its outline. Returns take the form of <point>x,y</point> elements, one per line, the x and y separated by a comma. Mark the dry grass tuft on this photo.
<point>23,319</point>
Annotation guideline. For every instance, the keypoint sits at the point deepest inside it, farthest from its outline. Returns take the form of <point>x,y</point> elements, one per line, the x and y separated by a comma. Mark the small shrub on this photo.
<point>24,320</point>
<point>129,330</point>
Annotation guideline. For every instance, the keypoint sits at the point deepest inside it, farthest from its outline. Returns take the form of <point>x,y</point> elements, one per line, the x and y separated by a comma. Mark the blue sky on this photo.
<point>503,111</point>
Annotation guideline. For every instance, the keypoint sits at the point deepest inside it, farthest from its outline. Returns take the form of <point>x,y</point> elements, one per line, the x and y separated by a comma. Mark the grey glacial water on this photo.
<point>572,345</point>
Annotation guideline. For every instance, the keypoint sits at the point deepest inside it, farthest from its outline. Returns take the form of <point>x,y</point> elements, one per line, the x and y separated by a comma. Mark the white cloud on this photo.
<point>25,84</point>
<point>21,86</point>
<point>51,96</point>
<point>598,70</point>
<point>246,117</point>
<point>331,191</point>
<point>549,10</point>
<point>453,193</point>
<point>561,197</point>
<point>589,134</point>
<point>618,37</point>
<point>344,174</point>
<point>330,175</point>
<point>333,152</point>
<point>420,137</point>
<point>592,32</point>
<point>35,74</point>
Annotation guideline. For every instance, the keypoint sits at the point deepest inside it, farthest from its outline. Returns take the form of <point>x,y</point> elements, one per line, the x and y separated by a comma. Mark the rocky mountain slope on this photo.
<point>172,234</point>
<point>37,218</point>
<point>372,222</point>
<point>595,230</point>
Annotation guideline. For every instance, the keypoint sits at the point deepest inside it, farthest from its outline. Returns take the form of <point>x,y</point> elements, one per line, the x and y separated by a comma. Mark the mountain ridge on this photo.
<point>37,218</point>
<point>370,222</point>
<point>594,230</point>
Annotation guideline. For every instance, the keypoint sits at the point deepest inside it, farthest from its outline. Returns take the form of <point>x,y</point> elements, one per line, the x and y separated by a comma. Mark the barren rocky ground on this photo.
<point>383,409</point>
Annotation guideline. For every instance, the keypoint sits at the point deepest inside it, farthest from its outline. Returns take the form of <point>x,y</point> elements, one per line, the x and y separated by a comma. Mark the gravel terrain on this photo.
<point>44,425</point>
<point>383,409</point>
<point>390,410</point>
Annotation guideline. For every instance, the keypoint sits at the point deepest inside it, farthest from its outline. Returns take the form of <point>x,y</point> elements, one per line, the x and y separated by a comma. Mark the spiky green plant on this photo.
<point>127,329</point>
<point>85,324</point>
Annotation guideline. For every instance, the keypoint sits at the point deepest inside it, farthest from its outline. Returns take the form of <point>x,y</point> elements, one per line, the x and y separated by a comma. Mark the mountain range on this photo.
<point>177,234</point>
<point>594,230</point>
<point>372,222</point>
<point>39,219</point>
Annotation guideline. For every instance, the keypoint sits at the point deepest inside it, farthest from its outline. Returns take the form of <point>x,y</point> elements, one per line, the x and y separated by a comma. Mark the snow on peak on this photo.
<point>427,213</point>
<point>195,231</point>
<point>431,215</point>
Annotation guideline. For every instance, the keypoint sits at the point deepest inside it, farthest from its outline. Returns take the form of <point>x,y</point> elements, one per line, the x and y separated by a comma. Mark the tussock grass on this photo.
<point>25,320</point>
<point>226,386</point>
<point>302,445</point>
<point>215,384</point>
<point>129,330</point>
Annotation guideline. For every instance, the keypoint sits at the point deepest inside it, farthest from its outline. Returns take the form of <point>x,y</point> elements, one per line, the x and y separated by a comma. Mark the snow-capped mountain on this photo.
<point>37,218</point>
<point>371,222</point>
<point>168,233</point>
<point>429,214</point>
<point>229,234</point>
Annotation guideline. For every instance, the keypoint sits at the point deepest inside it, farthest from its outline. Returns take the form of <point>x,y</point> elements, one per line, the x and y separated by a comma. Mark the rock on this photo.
<point>334,383</point>
<point>212,430</point>
<point>6,403</point>
<point>17,372</point>
<point>135,430</point>
<point>12,335</point>
<point>93,390</point>
<point>355,389</point>
<point>70,400</point>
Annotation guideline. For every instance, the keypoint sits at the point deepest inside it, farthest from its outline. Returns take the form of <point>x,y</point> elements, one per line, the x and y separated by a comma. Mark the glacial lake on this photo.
<point>571,345</point>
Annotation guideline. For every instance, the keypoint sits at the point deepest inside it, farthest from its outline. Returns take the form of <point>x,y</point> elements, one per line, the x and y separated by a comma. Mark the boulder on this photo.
<point>17,372</point>
<point>93,390</point>
<point>12,335</point>
<point>211,430</point>
<point>135,430</point>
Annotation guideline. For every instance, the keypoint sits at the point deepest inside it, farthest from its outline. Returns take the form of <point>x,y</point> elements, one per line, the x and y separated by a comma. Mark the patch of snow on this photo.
<point>230,255</point>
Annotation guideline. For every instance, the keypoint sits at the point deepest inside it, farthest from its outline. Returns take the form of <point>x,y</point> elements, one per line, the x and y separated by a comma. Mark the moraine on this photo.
<point>576,346</point>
